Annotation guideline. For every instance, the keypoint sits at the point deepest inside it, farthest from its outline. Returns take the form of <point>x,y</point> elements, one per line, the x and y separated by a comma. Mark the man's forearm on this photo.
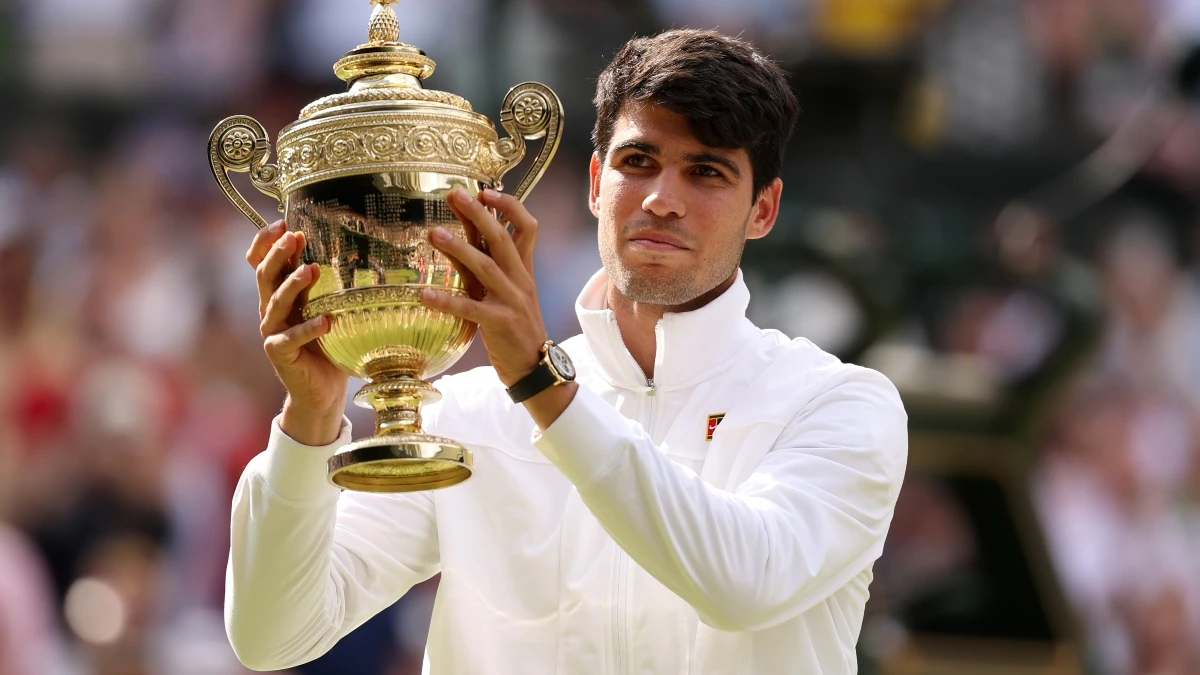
<point>547,405</point>
<point>310,427</point>
<point>276,589</point>
<point>300,549</point>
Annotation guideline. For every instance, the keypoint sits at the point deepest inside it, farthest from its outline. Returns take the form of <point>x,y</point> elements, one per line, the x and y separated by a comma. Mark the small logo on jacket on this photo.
<point>713,421</point>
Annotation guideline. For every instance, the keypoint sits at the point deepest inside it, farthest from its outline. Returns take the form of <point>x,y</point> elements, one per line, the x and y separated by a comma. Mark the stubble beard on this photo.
<point>671,287</point>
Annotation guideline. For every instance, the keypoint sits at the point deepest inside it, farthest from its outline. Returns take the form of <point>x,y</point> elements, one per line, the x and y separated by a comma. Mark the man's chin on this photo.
<point>656,285</point>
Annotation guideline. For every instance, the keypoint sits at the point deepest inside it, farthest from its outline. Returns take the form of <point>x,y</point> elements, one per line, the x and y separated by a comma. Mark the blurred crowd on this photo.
<point>936,225</point>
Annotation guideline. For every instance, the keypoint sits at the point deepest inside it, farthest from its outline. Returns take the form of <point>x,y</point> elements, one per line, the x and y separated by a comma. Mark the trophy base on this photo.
<point>400,463</point>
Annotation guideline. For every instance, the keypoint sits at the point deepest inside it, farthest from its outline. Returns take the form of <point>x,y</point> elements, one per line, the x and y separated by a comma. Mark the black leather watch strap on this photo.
<point>541,379</point>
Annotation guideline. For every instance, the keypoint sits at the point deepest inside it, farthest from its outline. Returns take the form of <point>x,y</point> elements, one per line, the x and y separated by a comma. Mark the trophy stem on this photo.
<point>397,401</point>
<point>399,457</point>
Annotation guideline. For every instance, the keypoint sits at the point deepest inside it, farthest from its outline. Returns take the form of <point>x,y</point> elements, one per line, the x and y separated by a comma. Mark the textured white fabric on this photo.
<point>618,541</point>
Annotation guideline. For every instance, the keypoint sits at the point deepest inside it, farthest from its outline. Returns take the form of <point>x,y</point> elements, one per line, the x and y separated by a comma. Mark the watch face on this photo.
<point>561,362</point>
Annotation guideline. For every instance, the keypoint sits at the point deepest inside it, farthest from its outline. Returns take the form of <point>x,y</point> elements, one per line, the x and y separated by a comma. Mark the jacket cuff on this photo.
<point>296,471</point>
<point>586,438</point>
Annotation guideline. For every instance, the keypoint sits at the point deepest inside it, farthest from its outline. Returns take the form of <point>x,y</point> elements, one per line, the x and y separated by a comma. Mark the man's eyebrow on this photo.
<point>648,148</point>
<point>693,157</point>
<point>713,158</point>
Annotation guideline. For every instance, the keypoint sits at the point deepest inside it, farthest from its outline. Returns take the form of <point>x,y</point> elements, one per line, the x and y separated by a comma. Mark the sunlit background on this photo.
<point>992,201</point>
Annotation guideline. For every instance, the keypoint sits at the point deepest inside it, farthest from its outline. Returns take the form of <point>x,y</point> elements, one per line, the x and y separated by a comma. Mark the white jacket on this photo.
<point>619,541</point>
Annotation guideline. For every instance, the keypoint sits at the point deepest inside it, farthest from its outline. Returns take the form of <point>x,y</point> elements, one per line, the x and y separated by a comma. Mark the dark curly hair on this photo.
<point>731,95</point>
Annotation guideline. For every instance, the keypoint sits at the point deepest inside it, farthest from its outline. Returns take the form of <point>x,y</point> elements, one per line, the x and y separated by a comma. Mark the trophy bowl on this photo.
<point>364,174</point>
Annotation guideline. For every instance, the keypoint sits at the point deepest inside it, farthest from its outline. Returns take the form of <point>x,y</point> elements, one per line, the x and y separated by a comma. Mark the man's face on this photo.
<point>674,213</point>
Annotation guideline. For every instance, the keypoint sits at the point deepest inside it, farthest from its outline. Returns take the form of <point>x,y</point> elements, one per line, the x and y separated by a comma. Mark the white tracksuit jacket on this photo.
<point>620,541</point>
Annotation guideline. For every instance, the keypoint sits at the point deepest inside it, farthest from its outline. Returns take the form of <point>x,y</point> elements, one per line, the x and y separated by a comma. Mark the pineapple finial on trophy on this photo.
<point>384,27</point>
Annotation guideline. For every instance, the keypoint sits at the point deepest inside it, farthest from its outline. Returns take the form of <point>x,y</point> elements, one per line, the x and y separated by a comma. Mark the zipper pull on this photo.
<point>650,383</point>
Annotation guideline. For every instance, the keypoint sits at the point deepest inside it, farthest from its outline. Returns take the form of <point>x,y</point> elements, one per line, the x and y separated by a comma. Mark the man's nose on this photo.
<point>664,199</point>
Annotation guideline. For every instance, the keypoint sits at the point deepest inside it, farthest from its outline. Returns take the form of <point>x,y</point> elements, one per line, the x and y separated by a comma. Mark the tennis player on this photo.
<point>673,491</point>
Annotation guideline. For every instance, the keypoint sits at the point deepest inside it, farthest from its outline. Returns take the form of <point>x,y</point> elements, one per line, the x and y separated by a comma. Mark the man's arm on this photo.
<point>812,516</point>
<point>309,563</point>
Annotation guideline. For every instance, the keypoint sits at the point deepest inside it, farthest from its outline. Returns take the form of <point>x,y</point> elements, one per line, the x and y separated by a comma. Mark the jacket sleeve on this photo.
<point>813,514</point>
<point>309,563</point>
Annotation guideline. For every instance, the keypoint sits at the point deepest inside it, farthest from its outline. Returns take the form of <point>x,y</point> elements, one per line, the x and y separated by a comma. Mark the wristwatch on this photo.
<point>554,368</point>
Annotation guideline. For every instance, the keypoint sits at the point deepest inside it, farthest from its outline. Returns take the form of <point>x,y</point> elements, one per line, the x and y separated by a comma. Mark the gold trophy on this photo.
<point>364,174</point>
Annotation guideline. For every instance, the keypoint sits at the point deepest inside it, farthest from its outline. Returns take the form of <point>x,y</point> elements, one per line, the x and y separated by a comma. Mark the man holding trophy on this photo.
<point>673,491</point>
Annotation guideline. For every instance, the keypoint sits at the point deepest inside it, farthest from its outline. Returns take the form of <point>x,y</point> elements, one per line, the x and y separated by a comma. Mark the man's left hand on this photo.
<point>509,318</point>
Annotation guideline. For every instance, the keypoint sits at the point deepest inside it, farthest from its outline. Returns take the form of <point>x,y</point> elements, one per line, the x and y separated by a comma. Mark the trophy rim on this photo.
<point>389,101</point>
<point>306,154</point>
<point>380,295</point>
<point>454,461</point>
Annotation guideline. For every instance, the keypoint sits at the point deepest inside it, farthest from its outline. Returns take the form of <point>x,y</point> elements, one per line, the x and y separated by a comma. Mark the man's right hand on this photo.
<point>316,388</point>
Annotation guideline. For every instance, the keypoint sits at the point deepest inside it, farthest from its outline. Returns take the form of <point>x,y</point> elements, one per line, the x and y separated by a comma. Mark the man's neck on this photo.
<point>637,320</point>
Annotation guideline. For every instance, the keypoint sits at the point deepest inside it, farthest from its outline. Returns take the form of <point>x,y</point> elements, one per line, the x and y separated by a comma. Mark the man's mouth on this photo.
<point>656,241</point>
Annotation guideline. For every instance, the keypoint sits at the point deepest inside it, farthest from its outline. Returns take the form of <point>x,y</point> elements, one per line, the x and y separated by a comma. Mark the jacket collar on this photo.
<point>691,346</point>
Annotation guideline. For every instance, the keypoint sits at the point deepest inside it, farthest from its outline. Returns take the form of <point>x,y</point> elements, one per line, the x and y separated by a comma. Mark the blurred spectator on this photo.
<point>28,639</point>
<point>102,48</point>
<point>1118,545</point>
<point>991,90</point>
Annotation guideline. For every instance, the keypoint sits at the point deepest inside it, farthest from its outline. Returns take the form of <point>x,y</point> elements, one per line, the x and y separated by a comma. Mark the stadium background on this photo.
<point>947,219</point>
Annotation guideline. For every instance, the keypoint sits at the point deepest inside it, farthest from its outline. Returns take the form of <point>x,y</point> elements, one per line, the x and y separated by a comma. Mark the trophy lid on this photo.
<point>384,69</point>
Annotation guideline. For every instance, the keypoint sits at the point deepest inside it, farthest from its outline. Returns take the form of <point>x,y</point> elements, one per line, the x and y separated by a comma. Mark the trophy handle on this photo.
<point>240,143</point>
<point>530,111</point>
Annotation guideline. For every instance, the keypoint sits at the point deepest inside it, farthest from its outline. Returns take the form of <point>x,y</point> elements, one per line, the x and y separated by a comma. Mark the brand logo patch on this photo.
<point>713,421</point>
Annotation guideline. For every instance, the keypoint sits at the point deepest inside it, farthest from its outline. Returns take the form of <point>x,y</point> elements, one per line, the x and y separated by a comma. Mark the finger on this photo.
<point>283,347</point>
<point>525,226</point>
<point>460,306</point>
<point>486,269</point>
<point>301,243</point>
<point>263,240</point>
<point>268,273</point>
<point>283,301</point>
<point>500,244</point>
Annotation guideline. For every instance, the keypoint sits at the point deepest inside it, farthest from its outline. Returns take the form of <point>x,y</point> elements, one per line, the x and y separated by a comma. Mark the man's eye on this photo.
<point>639,161</point>
<point>708,171</point>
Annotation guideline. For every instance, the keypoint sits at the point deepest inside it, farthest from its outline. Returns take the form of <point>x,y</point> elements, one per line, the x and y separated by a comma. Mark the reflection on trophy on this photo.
<point>364,174</point>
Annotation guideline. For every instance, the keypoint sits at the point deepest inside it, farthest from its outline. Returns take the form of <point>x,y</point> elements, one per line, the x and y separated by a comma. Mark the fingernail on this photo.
<point>275,227</point>
<point>301,272</point>
<point>428,294</point>
<point>440,234</point>
<point>491,194</point>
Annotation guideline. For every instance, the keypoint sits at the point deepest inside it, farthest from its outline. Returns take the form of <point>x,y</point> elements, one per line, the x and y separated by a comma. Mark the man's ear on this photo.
<point>594,185</point>
<point>765,210</point>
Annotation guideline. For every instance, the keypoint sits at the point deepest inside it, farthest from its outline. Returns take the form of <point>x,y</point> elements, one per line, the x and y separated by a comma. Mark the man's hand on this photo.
<point>316,388</point>
<point>509,318</point>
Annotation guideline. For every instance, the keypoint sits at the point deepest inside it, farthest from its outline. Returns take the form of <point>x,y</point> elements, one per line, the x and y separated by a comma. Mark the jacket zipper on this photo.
<point>619,567</point>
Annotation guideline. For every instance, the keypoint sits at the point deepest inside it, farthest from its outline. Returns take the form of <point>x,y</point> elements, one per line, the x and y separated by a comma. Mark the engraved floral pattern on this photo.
<point>308,155</point>
<point>462,146</point>
<point>238,144</point>
<point>369,297</point>
<point>342,147</point>
<point>423,143</point>
<point>529,110</point>
<point>472,147</point>
<point>382,142</point>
